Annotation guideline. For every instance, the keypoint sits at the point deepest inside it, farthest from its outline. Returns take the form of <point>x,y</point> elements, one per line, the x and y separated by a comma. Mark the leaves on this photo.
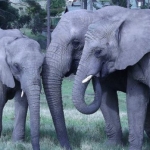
<point>8,15</point>
<point>57,7</point>
<point>37,16</point>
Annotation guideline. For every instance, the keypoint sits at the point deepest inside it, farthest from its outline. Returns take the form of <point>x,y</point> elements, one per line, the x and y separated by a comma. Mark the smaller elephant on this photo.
<point>21,60</point>
<point>115,44</point>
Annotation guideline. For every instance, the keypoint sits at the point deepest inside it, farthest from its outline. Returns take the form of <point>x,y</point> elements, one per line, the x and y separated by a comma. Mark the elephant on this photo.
<point>21,63</point>
<point>115,44</point>
<point>62,58</point>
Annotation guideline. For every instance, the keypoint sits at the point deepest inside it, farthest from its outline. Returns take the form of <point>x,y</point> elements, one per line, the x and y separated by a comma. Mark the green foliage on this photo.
<point>24,20</point>
<point>122,3</point>
<point>57,7</point>
<point>8,15</point>
<point>36,15</point>
<point>146,6</point>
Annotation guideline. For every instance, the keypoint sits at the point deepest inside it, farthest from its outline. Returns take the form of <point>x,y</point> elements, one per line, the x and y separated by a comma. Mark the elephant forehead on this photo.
<point>25,49</point>
<point>101,27</point>
<point>24,44</point>
<point>96,38</point>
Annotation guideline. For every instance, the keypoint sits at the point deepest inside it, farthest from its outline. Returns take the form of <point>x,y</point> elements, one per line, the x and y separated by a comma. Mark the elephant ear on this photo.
<point>134,41</point>
<point>5,73</point>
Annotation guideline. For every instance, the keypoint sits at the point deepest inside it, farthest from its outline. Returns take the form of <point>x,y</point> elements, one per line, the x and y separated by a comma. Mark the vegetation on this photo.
<point>9,16</point>
<point>36,15</point>
<point>86,132</point>
<point>122,3</point>
<point>57,7</point>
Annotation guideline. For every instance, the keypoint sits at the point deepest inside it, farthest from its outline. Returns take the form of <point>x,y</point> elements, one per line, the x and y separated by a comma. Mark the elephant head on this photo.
<point>111,44</point>
<point>21,59</point>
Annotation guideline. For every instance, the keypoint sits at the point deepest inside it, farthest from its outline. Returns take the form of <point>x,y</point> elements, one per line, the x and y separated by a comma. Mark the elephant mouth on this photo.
<point>100,73</point>
<point>73,68</point>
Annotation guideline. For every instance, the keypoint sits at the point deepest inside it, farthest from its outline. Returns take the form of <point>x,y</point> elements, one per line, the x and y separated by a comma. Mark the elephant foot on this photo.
<point>17,138</point>
<point>66,146</point>
<point>116,142</point>
<point>135,148</point>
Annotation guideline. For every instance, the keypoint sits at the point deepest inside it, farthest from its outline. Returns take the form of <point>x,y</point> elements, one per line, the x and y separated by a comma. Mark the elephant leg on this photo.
<point>21,107</point>
<point>147,121</point>
<point>137,100</point>
<point>110,111</point>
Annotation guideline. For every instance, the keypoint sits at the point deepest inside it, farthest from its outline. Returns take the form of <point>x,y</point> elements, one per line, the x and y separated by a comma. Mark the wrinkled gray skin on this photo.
<point>62,59</point>
<point>20,64</point>
<point>118,43</point>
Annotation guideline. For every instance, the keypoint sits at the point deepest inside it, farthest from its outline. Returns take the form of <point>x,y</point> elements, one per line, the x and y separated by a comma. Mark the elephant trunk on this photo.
<point>32,92</point>
<point>79,89</point>
<point>54,69</point>
<point>34,107</point>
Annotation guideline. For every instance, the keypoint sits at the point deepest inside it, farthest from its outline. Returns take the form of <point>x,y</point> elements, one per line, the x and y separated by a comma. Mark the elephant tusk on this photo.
<point>87,79</point>
<point>22,93</point>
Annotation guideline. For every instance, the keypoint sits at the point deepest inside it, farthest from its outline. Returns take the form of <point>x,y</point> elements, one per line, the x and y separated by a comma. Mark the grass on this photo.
<point>86,132</point>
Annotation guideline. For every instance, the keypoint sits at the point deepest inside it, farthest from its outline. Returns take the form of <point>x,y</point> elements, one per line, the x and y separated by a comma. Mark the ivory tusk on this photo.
<point>87,79</point>
<point>22,93</point>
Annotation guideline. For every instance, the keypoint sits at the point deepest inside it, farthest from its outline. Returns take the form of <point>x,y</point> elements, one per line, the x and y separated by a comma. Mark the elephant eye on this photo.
<point>75,44</point>
<point>17,67</point>
<point>97,53</point>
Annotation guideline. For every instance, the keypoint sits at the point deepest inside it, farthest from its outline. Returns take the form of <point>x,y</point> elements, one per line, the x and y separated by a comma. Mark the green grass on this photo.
<point>86,132</point>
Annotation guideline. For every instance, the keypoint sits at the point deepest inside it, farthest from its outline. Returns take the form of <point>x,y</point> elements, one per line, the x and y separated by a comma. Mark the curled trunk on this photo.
<point>79,92</point>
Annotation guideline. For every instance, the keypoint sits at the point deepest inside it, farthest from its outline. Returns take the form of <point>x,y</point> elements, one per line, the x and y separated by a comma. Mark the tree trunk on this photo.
<point>128,3</point>
<point>48,23</point>
<point>81,4</point>
<point>91,5</point>
<point>143,2</point>
<point>148,4</point>
<point>85,4</point>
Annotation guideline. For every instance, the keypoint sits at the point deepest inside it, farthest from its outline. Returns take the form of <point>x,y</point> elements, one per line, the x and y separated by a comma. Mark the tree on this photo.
<point>37,16</point>
<point>85,4</point>
<point>48,23</point>
<point>123,3</point>
<point>56,7</point>
<point>8,15</point>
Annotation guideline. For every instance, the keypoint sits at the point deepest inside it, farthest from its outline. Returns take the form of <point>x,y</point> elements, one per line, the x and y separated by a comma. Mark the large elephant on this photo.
<point>119,43</point>
<point>62,57</point>
<point>21,60</point>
